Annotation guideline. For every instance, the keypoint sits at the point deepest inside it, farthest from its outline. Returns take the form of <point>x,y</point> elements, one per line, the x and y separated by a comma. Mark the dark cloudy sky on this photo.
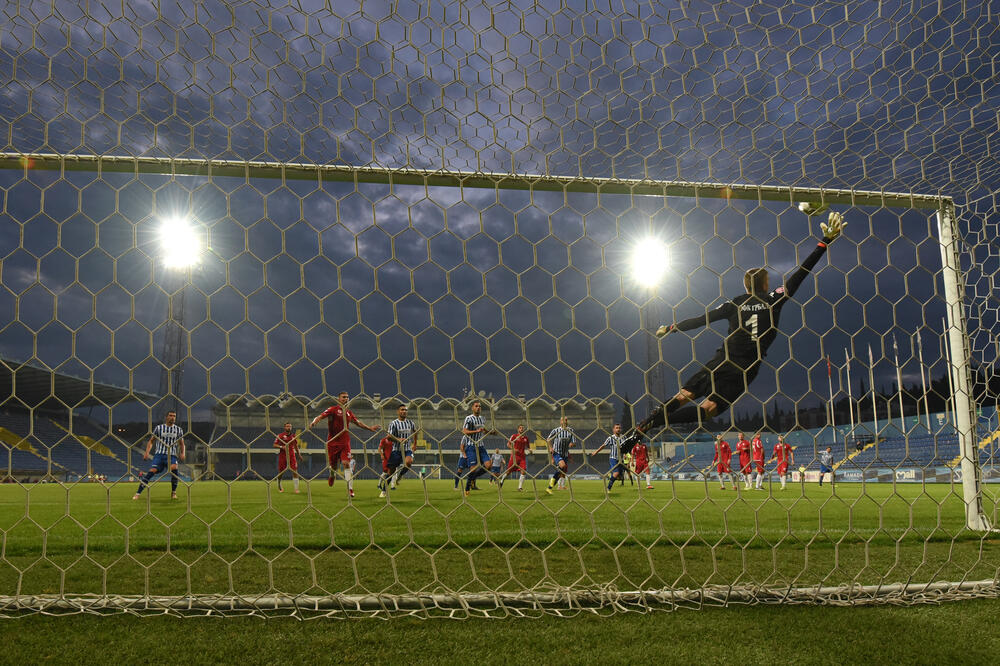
<point>318,286</point>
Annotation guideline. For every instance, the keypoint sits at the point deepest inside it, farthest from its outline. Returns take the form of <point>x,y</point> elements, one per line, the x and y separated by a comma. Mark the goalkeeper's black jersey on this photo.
<point>753,318</point>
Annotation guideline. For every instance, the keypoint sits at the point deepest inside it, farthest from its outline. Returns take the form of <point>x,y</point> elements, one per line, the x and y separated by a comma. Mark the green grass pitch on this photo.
<point>245,538</point>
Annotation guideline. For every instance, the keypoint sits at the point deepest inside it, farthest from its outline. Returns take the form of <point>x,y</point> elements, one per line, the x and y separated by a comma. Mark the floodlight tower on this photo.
<point>180,251</point>
<point>650,260</point>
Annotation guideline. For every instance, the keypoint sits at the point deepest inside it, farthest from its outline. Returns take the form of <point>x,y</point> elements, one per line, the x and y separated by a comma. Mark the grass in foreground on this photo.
<point>960,631</point>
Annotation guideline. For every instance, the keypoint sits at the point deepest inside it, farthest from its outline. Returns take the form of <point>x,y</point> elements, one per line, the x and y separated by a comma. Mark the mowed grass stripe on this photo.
<point>227,516</point>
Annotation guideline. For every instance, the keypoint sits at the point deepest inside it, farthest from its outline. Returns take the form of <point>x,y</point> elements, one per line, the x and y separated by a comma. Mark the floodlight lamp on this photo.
<point>179,243</point>
<point>650,261</point>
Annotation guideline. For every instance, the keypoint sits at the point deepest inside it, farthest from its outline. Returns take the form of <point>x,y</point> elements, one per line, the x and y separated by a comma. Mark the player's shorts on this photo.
<point>614,467</point>
<point>338,451</point>
<point>395,459</point>
<point>556,459</point>
<point>723,468</point>
<point>745,466</point>
<point>759,465</point>
<point>722,380</point>
<point>518,462</point>
<point>476,455</point>
<point>408,453</point>
<point>284,462</point>
<point>641,466</point>
<point>161,462</point>
<point>783,468</point>
<point>823,469</point>
<point>464,462</point>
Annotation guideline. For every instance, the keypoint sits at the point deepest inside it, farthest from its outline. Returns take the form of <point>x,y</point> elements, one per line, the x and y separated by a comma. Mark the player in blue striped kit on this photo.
<point>403,433</point>
<point>613,443</point>
<point>559,441</point>
<point>169,439</point>
<point>473,431</point>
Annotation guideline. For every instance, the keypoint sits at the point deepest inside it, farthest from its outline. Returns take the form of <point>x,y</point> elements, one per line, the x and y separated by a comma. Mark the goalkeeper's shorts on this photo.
<point>721,380</point>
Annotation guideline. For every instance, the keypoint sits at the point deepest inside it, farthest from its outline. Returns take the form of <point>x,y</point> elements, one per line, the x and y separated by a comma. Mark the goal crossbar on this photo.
<point>68,162</point>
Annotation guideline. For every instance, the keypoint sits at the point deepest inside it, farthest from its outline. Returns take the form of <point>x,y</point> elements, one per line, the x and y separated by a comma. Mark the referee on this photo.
<point>826,464</point>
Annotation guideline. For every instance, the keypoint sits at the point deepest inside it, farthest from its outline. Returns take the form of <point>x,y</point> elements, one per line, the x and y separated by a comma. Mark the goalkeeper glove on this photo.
<point>664,330</point>
<point>833,227</point>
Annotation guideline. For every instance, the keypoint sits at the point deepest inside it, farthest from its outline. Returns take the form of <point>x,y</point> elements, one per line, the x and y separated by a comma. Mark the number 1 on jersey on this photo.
<point>752,323</point>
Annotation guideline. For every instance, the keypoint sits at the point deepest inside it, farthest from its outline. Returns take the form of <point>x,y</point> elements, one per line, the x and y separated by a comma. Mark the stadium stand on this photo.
<point>34,413</point>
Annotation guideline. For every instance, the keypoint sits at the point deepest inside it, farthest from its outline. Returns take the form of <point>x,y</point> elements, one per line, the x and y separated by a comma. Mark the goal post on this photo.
<point>957,340</point>
<point>434,519</point>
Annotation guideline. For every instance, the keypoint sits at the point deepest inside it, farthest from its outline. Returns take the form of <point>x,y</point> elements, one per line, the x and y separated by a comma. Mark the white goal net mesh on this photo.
<point>236,211</point>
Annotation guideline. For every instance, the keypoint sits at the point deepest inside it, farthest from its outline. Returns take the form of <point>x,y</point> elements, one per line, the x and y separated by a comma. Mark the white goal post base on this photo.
<point>555,602</point>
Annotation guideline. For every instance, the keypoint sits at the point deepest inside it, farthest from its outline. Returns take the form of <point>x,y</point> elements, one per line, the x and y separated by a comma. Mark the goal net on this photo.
<point>255,215</point>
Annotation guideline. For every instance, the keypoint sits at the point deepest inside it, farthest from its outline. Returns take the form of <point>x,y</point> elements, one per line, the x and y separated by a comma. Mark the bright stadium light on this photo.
<point>650,261</point>
<point>179,243</point>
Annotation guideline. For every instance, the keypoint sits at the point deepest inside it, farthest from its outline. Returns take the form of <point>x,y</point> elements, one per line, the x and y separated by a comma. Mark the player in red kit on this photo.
<point>784,455</point>
<point>287,443</point>
<point>746,470</point>
<point>723,456</point>
<point>640,462</point>
<point>757,454</point>
<point>338,442</point>
<point>518,444</point>
<point>385,452</point>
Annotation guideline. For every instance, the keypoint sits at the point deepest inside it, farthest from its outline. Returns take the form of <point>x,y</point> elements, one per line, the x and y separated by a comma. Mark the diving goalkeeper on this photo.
<point>753,326</point>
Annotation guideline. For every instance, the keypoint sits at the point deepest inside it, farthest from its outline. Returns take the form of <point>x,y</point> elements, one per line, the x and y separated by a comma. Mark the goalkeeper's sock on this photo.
<point>689,414</point>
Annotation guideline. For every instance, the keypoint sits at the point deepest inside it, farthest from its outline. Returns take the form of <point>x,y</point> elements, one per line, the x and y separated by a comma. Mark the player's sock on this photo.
<point>295,483</point>
<point>349,477</point>
<point>143,482</point>
<point>473,476</point>
<point>279,484</point>
<point>457,479</point>
<point>520,482</point>
<point>649,479</point>
<point>173,480</point>
<point>782,481</point>
<point>611,482</point>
